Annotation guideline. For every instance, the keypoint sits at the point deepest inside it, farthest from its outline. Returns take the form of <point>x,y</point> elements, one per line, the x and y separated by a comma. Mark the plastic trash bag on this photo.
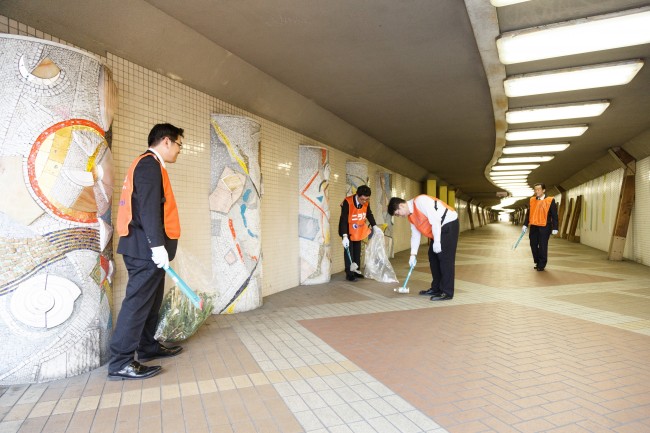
<point>377,265</point>
<point>179,319</point>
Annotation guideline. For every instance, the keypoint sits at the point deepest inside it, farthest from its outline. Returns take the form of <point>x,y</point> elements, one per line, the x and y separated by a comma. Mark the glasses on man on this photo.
<point>180,145</point>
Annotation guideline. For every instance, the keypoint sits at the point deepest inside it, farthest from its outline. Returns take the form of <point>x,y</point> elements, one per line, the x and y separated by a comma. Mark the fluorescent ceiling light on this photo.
<point>500,3</point>
<point>499,178</point>
<point>564,80</point>
<point>498,173</point>
<point>556,112</point>
<point>543,133</point>
<point>523,159</point>
<point>586,35</point>
<point>515,167</point>
<point>535,148</point>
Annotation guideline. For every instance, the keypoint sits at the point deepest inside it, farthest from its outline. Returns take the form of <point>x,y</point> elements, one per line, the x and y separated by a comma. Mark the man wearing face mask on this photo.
<point>542,219</point>
<point>149,228</point>
<point>355,209</point>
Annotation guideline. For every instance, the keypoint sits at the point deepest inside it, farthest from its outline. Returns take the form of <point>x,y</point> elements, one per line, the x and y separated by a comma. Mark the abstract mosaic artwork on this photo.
<point>356,174</point>
<point>56,263</point>
<point>314,215</point>
<point>235,213</point>
<point>382,193</point>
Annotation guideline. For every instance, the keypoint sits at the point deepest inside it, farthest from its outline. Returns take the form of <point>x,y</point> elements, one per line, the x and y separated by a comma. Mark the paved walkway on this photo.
<point>565,350</point>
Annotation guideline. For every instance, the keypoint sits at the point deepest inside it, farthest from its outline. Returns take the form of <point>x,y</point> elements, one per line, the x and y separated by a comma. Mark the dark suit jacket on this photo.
<point>147,228</point>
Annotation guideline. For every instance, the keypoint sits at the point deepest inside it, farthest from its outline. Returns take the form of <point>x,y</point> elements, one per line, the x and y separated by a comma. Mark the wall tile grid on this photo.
<point>641,230</point>
<point>598,213</point>
<point>146,98</point>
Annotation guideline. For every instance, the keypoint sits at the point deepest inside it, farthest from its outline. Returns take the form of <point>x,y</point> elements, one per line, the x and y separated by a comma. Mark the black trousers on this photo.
<point>539,244</point>
<point>136,324</point>
<point>355,252</point>
<point>443,264</point>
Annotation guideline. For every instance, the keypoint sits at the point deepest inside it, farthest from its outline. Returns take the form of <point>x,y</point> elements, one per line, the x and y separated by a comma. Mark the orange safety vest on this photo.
<point>357,226</point>
<point>124,216</point>
<point>420,220</point>
<point>539,211</point>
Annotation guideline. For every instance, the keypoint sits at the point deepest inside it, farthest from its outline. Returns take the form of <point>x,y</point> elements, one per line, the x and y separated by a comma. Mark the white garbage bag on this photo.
<point>377,265</point>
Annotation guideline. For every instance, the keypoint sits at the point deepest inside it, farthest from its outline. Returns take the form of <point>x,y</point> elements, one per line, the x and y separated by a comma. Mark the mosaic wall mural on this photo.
<point>235,213</point>
<point>382,193</point>
<point>356,174</point>
<point>56,263</point>
<point>314,215</point>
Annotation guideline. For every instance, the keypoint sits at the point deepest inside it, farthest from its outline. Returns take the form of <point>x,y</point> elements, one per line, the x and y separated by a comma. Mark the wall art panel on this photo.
<point>314,215</point>
<point>356,174</point>
<point>382,192</point>
<point>235,199</point>
<point>56,262</point>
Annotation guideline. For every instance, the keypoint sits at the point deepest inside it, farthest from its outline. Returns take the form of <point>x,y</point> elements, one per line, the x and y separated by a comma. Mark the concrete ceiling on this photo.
<point>398,82</point>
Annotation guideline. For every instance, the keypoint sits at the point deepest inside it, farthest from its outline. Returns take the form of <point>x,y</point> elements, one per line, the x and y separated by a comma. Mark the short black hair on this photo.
<point>393,205</point>
<point>540,184</point>
<point>364,190</point>
<point>162,130</point>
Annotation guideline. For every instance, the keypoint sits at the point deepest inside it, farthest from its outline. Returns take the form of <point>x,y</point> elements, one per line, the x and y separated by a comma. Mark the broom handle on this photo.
<point>193,297</point>
<point>408,276</point>
<point>347,250</point>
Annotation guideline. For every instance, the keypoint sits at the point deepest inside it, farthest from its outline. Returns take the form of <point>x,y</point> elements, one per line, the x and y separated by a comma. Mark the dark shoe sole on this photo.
<point>147,359</point>
<point>441,298</point>
<point>429,293</point>
<point>115,377</point>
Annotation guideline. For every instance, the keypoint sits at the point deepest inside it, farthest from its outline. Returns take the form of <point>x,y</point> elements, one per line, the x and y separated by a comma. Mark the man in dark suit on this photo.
<point>355,210</point>
<point>149,228</point>
<point>542,219</point>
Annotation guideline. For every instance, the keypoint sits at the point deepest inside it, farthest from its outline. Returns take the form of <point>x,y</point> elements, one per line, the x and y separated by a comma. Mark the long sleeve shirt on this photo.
<point>427,206</point>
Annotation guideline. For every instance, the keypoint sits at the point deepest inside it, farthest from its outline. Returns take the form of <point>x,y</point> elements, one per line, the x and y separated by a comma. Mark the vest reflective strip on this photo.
<point>170,210</point>
<point>539,211</point>
<point>357,227</point>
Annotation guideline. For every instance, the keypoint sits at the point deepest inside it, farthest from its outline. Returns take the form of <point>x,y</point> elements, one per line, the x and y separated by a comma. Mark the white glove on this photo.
<point>523,229</point>
<point>412,261</point>
<point>554,232</point>
<point>345,241</point>
<point>160,257</point>
<point>436,247</point>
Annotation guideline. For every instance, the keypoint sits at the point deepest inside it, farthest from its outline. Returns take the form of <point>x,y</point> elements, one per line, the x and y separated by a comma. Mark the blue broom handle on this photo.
<point>408,276</point>
<point>193,297</point>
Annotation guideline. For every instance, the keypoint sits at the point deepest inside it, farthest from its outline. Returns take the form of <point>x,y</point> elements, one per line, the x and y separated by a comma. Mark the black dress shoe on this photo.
<point>134,370</point>
<point>539,269</point>
<point>442,297</point>
<point>358,275</point>
<point>351,277</point>
<point>430,292</point>
<point>163,352</point>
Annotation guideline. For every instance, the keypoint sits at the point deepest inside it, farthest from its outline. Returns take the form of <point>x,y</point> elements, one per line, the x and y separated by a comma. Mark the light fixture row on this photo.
<point>609,31</point>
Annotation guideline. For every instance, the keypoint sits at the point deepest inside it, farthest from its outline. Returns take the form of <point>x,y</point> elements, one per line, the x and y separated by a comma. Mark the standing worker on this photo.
<point>355,209</point>
<point>149,228</point>
<point>438,221</point>
<point>542,218</point>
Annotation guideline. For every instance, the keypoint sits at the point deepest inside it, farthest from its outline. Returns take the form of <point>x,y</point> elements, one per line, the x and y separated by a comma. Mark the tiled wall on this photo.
<point>641,211</point>
<point>146,98</point>
<point>598,213</point>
